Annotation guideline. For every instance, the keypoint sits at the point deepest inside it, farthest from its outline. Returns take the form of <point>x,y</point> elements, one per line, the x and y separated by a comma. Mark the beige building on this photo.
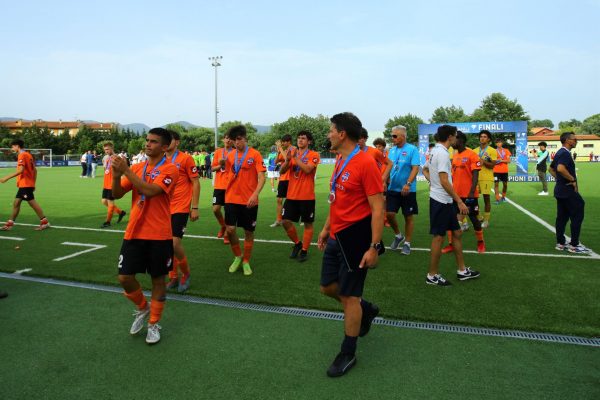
<point>588,146</point>
<point>57,127</point>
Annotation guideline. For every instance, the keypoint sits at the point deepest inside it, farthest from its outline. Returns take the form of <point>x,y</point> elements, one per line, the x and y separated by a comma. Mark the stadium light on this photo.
<point>216,64</point>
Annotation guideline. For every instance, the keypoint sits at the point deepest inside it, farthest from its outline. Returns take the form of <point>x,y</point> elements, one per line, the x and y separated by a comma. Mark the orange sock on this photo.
<point>109,213</point>
<point>173,272</point>
<point>221,220</point>
<point>292,234</point>
<point>247,250</point>
<point>116,209</point>
<point>156,309</point>
<point>279,217</point>
<point>137,298</point>
<point>497,196</point>
<point>450,237</point>
<point>183,265</point>
<point>479,235</point>
<point>307,238</point>
<point>236,250</point>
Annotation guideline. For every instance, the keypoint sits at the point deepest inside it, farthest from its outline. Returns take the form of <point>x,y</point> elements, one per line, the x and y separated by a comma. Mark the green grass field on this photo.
<point>525,285</point>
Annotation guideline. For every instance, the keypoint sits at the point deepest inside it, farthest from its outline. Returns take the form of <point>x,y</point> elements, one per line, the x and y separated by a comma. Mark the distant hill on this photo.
<point>185,124</point>
<point>262,128</point>
<point>137,127</point>
<point>11,119</point>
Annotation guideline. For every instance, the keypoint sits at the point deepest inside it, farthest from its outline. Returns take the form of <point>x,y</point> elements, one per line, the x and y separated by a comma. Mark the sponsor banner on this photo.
<point>475,127</point>
<point>327,160</point>
<point>511,178</point>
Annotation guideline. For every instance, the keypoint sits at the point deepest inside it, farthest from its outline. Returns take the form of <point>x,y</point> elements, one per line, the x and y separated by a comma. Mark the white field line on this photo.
<point>92,247</point>
<point>22,271</point>
<point>11,238</point>
<point>508,253</point>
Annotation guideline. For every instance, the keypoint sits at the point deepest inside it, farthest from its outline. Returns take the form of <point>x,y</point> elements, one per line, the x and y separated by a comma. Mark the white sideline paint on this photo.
<point>508,253</point>
<point>92,247</point>
<point>22,271</point>
<point>11,238</point>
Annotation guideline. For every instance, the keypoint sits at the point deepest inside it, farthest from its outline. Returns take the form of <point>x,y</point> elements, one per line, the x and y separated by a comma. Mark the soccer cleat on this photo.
<point>542,193</point>
<point>560,247</point>
<point>138,321</point>
<point>8,225</point>
<point>343,363</point>
<point>221,232</point>
<point>275,224</point>
<point>448,249</point>
<point>105,225</point>
<point>173,283</point>
<point>184,283</point>
<point>247,269</point>
<point>235,265</point>
<point>504,199</point>
<point>485,224</point>
<point>121,215</point>
<point>467,274</point>
<point>44,224</point>
<point>153,335</point>
<point>303,256</point>
<point>406,249</point>
<point>437,280</point>
<point>296,249</point>
<point>579,249</point>
<point>397,241</point>
<point>497,202</point>
<point>464,226</point>
<point>367,320</point>
<point>481,247</point>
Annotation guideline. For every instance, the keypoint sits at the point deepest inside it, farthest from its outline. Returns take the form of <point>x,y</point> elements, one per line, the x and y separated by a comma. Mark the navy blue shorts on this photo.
<point>241,216</point>
<point>351,281</point>
<point>178,224</point>
<point>442,217</point>
<point>395,201</point>
<point>138,256</point>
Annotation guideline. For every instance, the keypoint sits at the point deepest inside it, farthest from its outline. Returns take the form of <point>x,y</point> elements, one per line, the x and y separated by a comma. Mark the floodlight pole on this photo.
<point>215,63</point>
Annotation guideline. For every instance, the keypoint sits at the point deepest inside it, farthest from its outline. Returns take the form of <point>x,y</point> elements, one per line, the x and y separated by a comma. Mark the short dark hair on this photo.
<point>364,134</point>
<point>431,145</point>
<point>444,132</point>
<point>486,132</point>
<point>237,131</point>
<point>175,135</point>
<point>461,136</point>
<point>226,135</point>
<point>308,135</point>
<point>165,135</point>
<point>499,139</point>
<point>543,144</point>
<point>286,138</point>
<point>565,135</point>
<point>348,123</point>
<point>18,142</point>
<point>379,142</point>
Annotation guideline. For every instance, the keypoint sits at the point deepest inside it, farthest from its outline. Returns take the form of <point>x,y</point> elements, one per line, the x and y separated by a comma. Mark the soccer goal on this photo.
<point>42,157</point>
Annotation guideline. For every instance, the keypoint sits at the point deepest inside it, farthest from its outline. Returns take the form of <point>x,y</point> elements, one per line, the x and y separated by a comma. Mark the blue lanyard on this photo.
<point>365,149</point>
<point>174,157</point>
<point>225,154</point>
<point>297,168</point>
<point>151,172</point>
<point>336,175</point>
<point>237,166</point>
<point>482,152</point>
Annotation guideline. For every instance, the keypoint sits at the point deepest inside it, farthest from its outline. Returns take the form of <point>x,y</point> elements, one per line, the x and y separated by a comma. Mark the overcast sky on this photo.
<point>147,61</point>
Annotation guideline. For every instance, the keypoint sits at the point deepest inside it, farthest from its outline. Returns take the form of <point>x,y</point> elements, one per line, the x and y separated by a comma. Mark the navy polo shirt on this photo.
<point>561,189</point>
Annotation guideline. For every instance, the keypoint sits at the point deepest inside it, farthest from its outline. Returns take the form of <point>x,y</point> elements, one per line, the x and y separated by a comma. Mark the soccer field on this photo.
<point>525,285</point>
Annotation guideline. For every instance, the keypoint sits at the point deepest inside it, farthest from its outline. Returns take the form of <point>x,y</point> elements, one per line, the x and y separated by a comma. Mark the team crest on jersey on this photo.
<point>315,160</point>
<point>404,153</point>
<point>194,170</point>
<point>464,160</point>
<point>154,174</point>
<point>479,163</point>
<point>167,180</point>
<point>345,176</point>
<point>250,161</point>
<point>178,165</point>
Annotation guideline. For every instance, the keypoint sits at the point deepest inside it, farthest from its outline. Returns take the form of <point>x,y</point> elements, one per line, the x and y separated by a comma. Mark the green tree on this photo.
<point>318,126</point>
<point>135,145</point>
<point>564,125</point>
<point>448,114</point>
<point>498,107</point>
<point>591,125</point>
<point>541,123</point>
<point>410,121</point>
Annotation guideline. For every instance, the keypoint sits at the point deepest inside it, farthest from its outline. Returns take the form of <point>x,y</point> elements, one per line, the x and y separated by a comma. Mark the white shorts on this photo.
<point>272,174</point>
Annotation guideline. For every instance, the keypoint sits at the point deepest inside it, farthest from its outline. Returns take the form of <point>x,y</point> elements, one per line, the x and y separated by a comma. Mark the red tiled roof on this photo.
<point>56,124</point>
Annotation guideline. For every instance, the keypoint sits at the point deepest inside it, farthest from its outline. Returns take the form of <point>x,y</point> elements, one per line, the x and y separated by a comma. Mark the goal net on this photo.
<point>42,157</point>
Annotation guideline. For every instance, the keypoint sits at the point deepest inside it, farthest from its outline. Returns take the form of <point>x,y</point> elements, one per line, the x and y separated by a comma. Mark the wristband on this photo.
<point>194,208</point>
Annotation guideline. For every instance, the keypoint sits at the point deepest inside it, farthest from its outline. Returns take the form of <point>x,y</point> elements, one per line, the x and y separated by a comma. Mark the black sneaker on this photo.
<point>468,274</point>
<point>121,215</point>
<point>367,320</point>
<point>342,364</point>
<point>105,225</point>
<point>3,294</point>
<point>296,249</point>
<point>303,256</point>
<point>438,280</point>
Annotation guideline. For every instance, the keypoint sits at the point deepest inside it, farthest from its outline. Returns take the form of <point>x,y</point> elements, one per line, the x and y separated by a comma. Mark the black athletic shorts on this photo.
<point>107,194</point>
<point>178,223</point>
<point>282,188</point>
<point>442,217</point>
<point>25,193</point>
<point>500,176</point>
<point>472,204</point>
<point>219,197</point>
<point>241,216</point>
<point>395,201</point>
<point>351,281</point>
<point>296,210</point>
<point>139,256</point>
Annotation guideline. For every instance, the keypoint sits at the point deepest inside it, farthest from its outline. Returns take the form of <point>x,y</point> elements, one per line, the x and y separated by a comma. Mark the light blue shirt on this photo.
<point>403,159</point>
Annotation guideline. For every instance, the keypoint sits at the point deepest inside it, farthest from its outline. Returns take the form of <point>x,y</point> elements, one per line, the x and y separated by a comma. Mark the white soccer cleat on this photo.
<point>153,335</point>
<point>485,224</point>
<point>543,194</point>
<point>44,224</point>
<point>140,318</point>
<point>464,226</point>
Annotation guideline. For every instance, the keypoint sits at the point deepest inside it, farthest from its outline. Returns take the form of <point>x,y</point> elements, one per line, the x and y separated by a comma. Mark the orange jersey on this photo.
<point>280,160</point>
<point>503,154</point>
<point>463,165</point>
<point>302,185</point>
<point>377,155</point>
<point>151,219</point>
<point>361,178</point>
<point>241,185</point>
<point>221,175</point>
<point>182,195</point>
<point>27,177</point>
<point>107,184</point>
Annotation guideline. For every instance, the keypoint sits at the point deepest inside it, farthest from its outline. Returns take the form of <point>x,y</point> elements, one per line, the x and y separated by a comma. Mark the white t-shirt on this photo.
<point>439,161</point>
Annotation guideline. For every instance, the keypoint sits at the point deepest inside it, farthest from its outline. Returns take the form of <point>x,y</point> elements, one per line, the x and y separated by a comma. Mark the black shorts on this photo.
<point>442,217</point>
<point>395,201</point>
<point>282,188</point>
<point>107,194</point>
<point>178,223</point>
<point>139,256</point>
<point>241,216</point>
<point>473,205</point>
<point>296,210</point>
<point>219,197</point>
<point>500,176</point>
<point>25,193</point>
<point>350,282</point>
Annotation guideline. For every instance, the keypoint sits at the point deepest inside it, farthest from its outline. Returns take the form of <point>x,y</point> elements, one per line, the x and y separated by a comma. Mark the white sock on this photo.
<point>430,276</point>
<point>399,236</point>
<point>408,243</point>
